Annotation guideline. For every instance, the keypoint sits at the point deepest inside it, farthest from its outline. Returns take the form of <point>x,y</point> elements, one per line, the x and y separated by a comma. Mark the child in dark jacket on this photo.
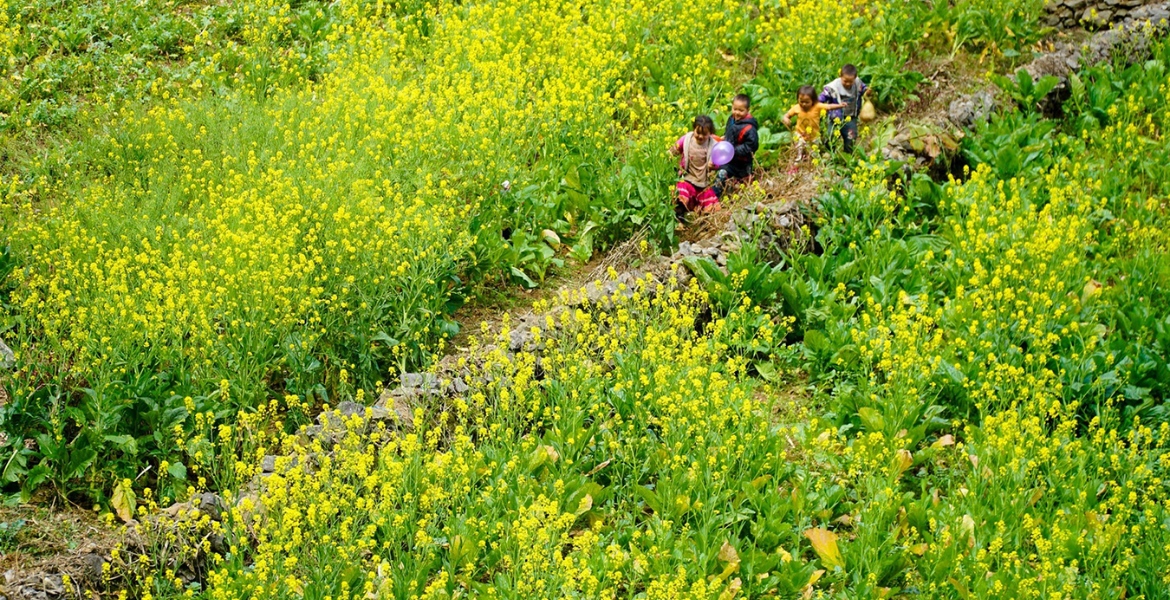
<point>742,131</point>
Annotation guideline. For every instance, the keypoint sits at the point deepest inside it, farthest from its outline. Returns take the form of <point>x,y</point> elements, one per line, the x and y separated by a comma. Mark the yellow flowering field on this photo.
<point>961,394</point>
<point>311,236</point>
<point>228,204</point>
<point>986,421</point>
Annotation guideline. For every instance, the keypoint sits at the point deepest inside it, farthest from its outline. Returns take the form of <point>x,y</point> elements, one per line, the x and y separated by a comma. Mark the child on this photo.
<point>848,91</point>
<point>808,121</point>
<point>742,132</point>
<point>697,190</point>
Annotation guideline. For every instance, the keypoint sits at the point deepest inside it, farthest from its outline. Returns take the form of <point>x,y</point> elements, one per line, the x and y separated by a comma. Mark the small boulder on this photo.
<point>971,109</point>
<point>7,356</point>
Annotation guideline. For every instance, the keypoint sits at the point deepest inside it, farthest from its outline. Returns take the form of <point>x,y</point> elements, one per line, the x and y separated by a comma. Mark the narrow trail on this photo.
<point>770,189</point>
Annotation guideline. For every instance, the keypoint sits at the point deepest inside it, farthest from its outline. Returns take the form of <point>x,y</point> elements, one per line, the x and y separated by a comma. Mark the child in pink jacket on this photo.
<point>699,188</point>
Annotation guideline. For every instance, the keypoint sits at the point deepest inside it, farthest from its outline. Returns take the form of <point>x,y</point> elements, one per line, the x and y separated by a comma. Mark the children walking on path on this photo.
<point>847,90</point>
<point>699,189</point>
<point>808,122</point>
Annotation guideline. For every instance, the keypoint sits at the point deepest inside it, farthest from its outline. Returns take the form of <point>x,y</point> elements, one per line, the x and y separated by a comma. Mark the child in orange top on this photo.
<point>808,113</point>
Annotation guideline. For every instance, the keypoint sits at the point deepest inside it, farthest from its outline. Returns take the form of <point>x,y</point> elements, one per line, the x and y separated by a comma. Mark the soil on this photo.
<point>43,540</point>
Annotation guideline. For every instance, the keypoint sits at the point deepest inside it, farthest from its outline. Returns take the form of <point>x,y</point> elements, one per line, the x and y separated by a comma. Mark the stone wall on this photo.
<point>1128,39</point>
<point>1090,14</point>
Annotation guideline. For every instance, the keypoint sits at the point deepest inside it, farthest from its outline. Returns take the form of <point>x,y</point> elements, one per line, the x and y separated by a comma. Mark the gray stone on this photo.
<point>53,584</point>
<point>268,465</point>
<point>396,406</point>
<point>968,110</point>
<point>349,408</point>
<point>413,380</point>
<point>519,339</point>
<point>210,504</point>
<point>93,566</point>
<point>7,356</point>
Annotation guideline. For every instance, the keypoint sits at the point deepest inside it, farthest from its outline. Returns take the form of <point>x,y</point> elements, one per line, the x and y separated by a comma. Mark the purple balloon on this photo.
<point>722,153</point>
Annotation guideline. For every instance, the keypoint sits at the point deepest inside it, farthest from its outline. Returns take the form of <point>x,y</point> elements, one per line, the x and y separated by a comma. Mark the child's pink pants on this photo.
<point>694,198</point>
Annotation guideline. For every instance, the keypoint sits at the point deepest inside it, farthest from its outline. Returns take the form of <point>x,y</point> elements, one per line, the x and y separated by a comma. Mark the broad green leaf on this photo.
<point>463,550</point>
<point>523,277</point>
<point>79,461</point>
<point>125,443</point>
<point>1044,86</point>
<point>815,340</point>
<point>767,371</point>
<point>1024,81</point>
<point>1076,87</point>
<point>649,497</point>
<point>178,471</point>
<point>871,418</point>
<point>385,338</point>
<point>952,373</point>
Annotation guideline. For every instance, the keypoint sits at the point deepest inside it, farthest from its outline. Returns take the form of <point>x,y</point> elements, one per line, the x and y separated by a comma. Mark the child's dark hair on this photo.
<point>705,124</point>
<point>747,101</point>
<point>807,90</point>
<point>849,70</point>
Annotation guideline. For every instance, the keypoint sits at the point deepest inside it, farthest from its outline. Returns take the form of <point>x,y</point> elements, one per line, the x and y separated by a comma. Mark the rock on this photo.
<point>684,248</point>
<point>968,110</point>
<point>93,566</point>
<point>349,409</point>
<point>397,405</point>
<point>210,504</point>
<point>408,394</point>
<point>594,292</point>
<point>7,356</point>
<point>518,340</point>
<point>218,544</point>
